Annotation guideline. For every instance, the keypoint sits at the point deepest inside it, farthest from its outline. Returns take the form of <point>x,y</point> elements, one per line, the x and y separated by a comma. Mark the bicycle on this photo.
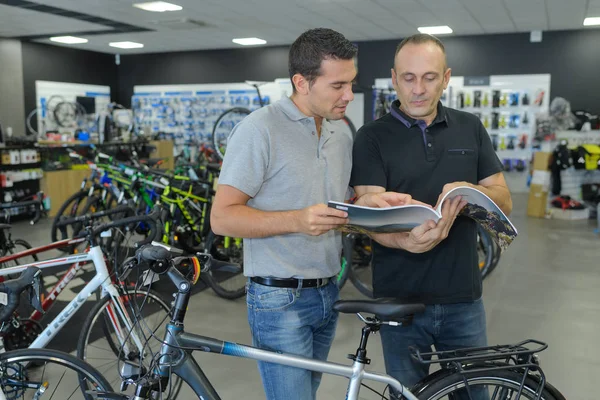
<point>231,117</point>
<point>32,373</point>
<point>513,369</point>
<point>112,318</point>
<point>188,225</point>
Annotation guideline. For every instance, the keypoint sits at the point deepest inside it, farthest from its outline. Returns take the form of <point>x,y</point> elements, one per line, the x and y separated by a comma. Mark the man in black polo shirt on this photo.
<point>425,149</point>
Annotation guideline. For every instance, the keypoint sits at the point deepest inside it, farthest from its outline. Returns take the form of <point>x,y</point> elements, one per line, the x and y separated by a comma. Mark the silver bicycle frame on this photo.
<point>188,369</point>
<point>102,279</point>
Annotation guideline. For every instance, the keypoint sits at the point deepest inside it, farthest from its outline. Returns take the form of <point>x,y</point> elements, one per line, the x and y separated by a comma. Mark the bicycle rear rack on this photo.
<point>517,357</point>
<point>498,352</point>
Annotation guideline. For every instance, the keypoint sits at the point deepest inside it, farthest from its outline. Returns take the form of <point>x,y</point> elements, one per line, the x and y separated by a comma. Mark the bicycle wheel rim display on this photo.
<point>224,126</point>
<point>50,374</point>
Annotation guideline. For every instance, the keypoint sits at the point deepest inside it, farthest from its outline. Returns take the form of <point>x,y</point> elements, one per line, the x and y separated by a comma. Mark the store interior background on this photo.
<point>547,281</point>
<point>571,57</point>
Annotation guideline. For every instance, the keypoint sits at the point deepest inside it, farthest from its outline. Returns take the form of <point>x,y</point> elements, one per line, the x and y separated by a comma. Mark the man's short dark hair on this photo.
<point>314,46</point>
<point>421,38</point>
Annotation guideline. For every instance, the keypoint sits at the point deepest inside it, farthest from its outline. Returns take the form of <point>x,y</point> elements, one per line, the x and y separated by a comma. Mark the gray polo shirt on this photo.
<point>276,157</point>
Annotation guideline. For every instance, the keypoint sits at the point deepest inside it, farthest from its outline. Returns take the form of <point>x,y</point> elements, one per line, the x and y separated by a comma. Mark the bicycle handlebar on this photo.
<point>151,219</point>
<point>87,218</point>
<point>38,202</point>
<point>29,279</point>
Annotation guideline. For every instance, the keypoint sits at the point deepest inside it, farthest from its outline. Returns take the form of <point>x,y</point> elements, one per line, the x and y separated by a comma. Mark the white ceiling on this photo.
<point>281,21</point>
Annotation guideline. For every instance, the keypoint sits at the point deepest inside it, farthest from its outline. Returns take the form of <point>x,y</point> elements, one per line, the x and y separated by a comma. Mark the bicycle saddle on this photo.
<point>386,307</point>
<point>5,226</point>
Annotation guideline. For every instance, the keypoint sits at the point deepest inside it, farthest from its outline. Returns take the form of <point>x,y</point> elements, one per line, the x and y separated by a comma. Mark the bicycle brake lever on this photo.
<point>35,292</point>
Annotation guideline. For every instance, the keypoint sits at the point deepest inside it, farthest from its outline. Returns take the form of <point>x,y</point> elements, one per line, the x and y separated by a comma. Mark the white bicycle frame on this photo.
<point>123,328</point>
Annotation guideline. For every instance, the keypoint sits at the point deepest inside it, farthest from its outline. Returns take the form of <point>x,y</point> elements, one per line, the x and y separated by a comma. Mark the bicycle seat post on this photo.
<point>372,325</point>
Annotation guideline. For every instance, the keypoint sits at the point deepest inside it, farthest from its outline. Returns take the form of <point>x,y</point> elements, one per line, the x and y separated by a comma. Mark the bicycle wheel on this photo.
<point>223,127</point>
<point>491,384</point>
<point>361,271</point>
<point>72,207</point>
<point>346,261</point>
<point>485,251</point>
<point>350,125</point>
<point>229,285</point>
<point>99,343</point>
<point>48,374</point>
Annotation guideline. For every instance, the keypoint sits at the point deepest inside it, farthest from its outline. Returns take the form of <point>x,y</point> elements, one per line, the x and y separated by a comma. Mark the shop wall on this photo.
<point>54,63</point>
<point>12,109</point>
<point>571,57</point>
<point>214,66</point>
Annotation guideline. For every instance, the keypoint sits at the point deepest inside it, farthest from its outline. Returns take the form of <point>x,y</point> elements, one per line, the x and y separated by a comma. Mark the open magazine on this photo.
<point>480,207</point>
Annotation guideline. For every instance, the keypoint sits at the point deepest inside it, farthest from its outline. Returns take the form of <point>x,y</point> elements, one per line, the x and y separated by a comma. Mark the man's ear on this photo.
<point>301,84</point>
<point>394,77</point>
<point>447,76</point>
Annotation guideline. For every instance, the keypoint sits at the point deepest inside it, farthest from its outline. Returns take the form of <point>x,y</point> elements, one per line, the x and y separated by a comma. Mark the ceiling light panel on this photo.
<point>435,30</point>
<point>158,6</point>
<point>251,41</point>
<point>68,39</point>
<point>126,45</point>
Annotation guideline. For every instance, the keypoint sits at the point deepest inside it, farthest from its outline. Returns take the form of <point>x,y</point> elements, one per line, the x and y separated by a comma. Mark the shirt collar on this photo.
<point>408,121</point>
<point>291,109</point>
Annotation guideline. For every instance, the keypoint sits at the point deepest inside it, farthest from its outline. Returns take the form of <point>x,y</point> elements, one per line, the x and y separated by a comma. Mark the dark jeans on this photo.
<point>445,326</point>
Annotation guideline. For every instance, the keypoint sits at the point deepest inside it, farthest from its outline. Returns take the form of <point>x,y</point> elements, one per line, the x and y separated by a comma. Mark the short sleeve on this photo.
<point>246,159</point>
<point>489,164</point>
<point>367,164</point>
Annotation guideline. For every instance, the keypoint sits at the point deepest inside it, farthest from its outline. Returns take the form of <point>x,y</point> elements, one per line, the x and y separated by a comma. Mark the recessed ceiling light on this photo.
<point>68,39</point>
<point>250,41</point>
<point>591,21</point>
<point>158,6</point>
<point>126,45</point>
<point>435,30</point>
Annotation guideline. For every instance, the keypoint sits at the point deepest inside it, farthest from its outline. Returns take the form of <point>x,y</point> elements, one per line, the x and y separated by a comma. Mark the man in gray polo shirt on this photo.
<point>283,163</point>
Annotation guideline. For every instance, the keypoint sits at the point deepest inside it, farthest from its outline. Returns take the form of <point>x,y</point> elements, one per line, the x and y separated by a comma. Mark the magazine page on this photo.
<point>384,220</point>
<point>485,212</point>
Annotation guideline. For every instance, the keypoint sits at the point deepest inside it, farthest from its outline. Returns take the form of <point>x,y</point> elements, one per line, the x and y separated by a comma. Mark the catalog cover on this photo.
<point>480,208</point>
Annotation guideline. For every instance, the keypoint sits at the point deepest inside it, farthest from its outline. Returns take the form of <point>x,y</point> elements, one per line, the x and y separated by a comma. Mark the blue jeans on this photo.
<point>447,326</point>
<point>296,321</point>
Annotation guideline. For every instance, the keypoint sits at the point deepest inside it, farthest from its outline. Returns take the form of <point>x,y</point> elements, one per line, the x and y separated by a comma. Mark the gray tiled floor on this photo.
<point>546,287</point>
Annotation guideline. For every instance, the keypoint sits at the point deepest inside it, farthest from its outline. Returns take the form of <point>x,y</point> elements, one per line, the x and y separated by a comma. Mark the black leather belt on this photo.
<point>290,282</point>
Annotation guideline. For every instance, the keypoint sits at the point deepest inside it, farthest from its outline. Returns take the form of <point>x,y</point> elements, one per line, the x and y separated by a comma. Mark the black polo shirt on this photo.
<point>404,155</point>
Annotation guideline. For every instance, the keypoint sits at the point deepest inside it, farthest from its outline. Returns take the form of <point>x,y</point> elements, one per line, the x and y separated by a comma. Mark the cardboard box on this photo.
<point>538,200</point>
<point>541,178</point>
<point>541,160</point>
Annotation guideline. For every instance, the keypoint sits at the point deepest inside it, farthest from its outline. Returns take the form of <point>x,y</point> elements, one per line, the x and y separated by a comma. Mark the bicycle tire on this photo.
<point>346,260</point>
<point>238,288</point>
<point>450,384</point>
<point>88,330</point>
<point>350,124</point>
<point>220,151</point>
<point>69,209</point>
<point>485,251</point>
<point>361,271</point>
<point>85,372</point>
